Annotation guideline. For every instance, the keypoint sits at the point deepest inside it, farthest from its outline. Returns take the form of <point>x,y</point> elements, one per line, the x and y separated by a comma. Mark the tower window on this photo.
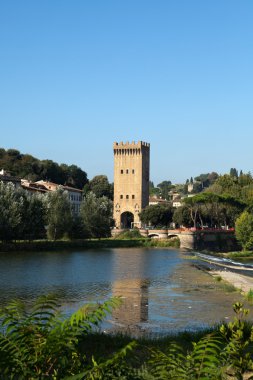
<point>133,196</point>
<point>127,171</point>
<point>121,197</point>
<point>127,196</point>
<point>132,171</point>
<point>121,171</point>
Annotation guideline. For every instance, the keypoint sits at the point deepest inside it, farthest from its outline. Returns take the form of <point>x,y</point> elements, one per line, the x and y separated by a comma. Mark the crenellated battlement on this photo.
<point>132,145</point>
<point>130,148</point>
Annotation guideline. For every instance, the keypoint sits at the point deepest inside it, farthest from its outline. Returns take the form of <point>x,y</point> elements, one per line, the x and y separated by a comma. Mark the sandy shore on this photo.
<point>238,280</point>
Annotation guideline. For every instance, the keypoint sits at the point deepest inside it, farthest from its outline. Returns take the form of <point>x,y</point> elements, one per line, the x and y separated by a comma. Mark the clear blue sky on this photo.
<point>77,75</point>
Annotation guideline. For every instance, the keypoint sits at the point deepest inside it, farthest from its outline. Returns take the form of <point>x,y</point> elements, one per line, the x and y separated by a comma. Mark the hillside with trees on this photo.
<point>31,168</point>
<point>208,201</point>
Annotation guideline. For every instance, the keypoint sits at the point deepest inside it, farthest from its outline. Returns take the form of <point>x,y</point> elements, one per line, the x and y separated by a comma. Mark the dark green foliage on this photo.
<point>222,355</point>
<point>203,181</point>
<point>130,234</point>
<point>11,206</point>
<point>29,167</point>
<point>96,215</point>
<point>237,352</point>
<point>214,210</point>
<point>238,187</point>
<point>201,363</point>
<point>59,245</point>
<point>78,230</point>
<point>163,243</point>
<point>164,187</point>
<point>22,216</point>
<point>233,172</point>
<point>100,186</point>
<point>33,218</point>
<point>244,230</point>
<point>39,344</point>
<point>116,367</point>
<point>59,217</point>
<point>182,217</point>
<point>157,215</point>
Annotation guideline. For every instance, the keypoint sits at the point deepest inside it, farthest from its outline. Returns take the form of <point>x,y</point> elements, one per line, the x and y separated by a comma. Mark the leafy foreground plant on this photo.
<point>39,344</point>
<point>226,354</point>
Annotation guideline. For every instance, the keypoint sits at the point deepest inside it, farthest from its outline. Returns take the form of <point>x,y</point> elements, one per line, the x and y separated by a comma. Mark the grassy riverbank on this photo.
<point>231,255</point>
<point>50,245</point>
<point>239,255</point>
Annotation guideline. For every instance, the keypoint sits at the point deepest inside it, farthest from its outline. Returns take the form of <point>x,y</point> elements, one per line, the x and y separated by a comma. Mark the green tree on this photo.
<point>29,167</point>
<point>59,218</point>
<point>96,214</point>
<point>197,187</point>
<point>231,208</point>
<point>157,215</point>
<point>240,187</point>
<point>233,172</point>
<point>165,186</point>
<point>78,230</point>
<point>33,217</point>
<point>11,206</point>
<point>244,230</point>
<point>205,180</point>
<point>151,188</point>
<point>226,181</point>
<point>212,177</point>
<point>76,177</point>
<point>213,209</point>
<point>14,153</point>
<point>38,343</point>
<point>100,186</point>
<point>182,217</point>
<point>155,192</point>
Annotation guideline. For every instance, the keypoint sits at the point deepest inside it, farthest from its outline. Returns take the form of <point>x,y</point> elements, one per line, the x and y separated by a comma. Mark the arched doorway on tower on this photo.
<point>126,219</point>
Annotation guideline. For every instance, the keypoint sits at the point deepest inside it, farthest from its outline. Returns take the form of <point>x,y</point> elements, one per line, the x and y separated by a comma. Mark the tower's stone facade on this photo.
<point>131,182</point>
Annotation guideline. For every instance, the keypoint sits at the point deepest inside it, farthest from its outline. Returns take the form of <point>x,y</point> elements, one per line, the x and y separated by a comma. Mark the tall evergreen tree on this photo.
<point>233,172</point>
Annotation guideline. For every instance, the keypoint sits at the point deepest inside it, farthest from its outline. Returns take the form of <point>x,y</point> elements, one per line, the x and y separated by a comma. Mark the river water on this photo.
<point>162,290</point>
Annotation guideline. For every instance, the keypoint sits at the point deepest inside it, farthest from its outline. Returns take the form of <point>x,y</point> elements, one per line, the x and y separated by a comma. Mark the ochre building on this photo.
<point>131,182</point>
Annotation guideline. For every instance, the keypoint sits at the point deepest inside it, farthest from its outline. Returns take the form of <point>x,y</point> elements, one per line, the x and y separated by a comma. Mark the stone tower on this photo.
<point>131,182</point>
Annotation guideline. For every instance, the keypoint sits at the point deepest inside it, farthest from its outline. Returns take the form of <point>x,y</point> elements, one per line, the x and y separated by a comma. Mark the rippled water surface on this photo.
<point>161,288</point>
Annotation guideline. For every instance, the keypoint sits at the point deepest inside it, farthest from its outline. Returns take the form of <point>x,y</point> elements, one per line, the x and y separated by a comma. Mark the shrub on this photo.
<point>130,234</point>
<point>40,344</point>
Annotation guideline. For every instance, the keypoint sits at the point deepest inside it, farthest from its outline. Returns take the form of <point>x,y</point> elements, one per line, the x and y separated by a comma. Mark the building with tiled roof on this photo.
<point>177,202</point>
<point>75,195</point>
<point>157,201</point>
<point>33,187</point>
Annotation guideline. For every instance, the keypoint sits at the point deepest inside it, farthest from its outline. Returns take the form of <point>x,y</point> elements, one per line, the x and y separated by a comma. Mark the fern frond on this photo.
<point>169,365</point>
<point>92,314</point>
<point>204,360</point>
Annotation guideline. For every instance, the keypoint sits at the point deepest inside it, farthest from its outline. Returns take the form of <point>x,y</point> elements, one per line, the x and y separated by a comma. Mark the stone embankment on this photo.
<point>239,281</point>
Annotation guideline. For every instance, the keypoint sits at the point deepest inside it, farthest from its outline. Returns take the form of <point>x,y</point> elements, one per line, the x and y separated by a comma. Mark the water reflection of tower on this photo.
<point>134,308</point>
<point>130,285</point>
